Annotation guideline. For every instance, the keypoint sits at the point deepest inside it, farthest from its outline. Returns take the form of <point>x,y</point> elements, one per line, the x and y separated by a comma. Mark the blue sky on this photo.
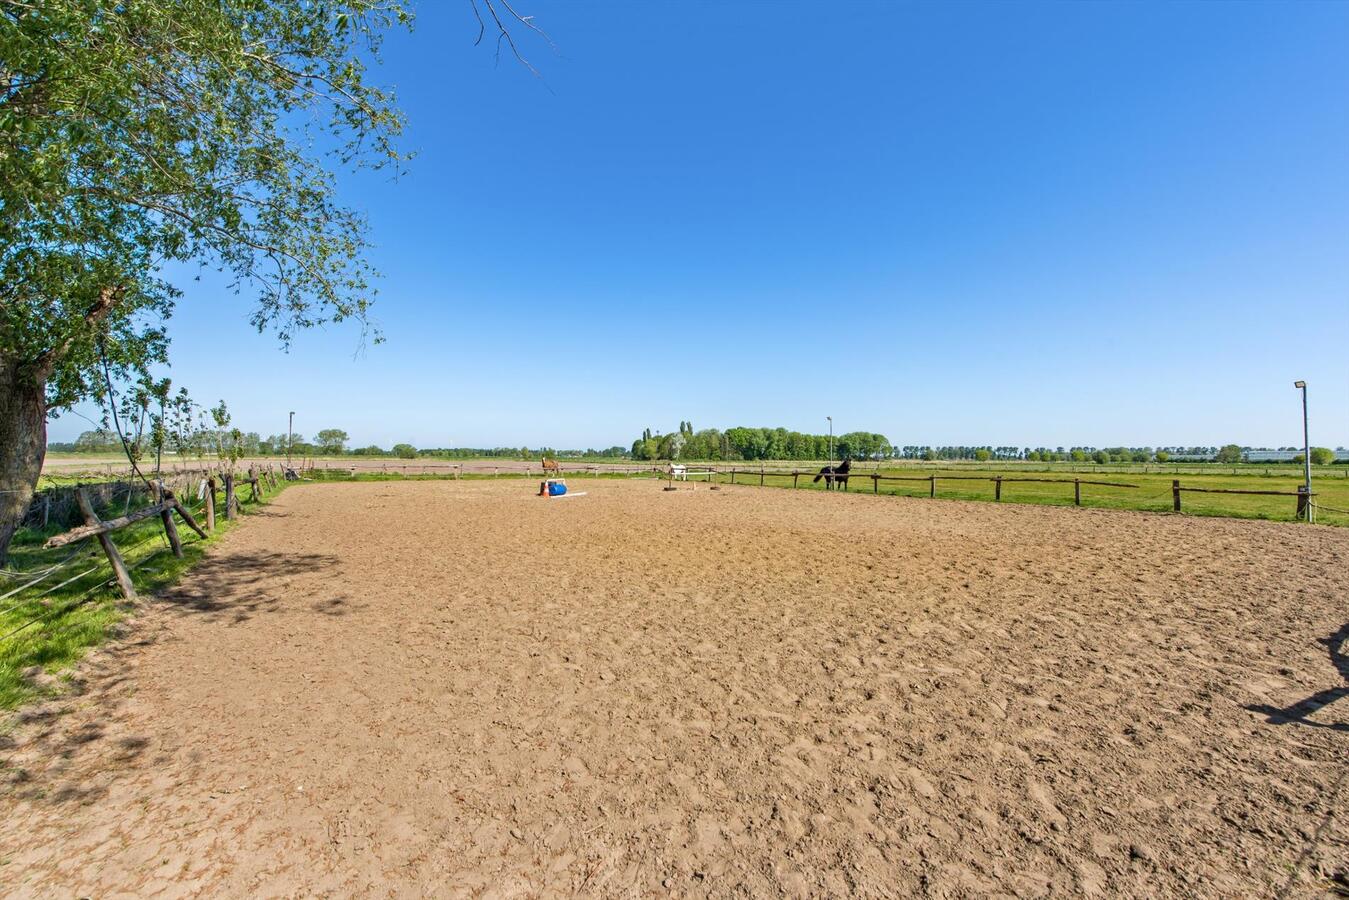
<point>949,223</point>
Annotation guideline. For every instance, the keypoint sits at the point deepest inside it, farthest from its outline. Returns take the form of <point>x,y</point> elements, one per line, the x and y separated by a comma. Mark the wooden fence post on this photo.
<point>761,475</point>
<point>795,475</point>
<point>105,540</point>
<point>187,516</point>
<point>170,529</point>
<point>932,486</point>
<point>732,474</point>
<point>875,482</point>
<point>231,502</point>
<point>1304,511</point>
<point>1175,495</point>
<point>210,503</point>
<point>997,488</point>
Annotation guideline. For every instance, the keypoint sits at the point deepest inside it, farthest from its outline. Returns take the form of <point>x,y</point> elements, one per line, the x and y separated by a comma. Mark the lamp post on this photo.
<point>831,439</point>
<point>290,439</point>
<point>1306,450</point>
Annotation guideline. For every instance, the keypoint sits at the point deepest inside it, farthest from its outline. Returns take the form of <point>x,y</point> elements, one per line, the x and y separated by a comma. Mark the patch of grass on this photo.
<point>54,622</point>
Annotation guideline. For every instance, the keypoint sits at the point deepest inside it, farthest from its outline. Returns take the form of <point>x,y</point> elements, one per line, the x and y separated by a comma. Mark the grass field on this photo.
<point>1152,494</point>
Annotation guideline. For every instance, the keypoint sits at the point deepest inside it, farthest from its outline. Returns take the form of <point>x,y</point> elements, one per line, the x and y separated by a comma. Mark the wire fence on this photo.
<point>41,586</point>
<point>87,595</point>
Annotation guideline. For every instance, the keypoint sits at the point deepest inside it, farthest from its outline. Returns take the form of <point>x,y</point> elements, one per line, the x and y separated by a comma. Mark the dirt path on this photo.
<point>456,688</point>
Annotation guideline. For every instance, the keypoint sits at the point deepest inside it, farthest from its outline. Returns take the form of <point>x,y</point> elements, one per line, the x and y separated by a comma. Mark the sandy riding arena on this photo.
<point>457,688</point>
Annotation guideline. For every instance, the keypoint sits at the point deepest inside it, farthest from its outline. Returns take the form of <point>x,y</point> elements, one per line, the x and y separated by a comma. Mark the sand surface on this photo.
<point>456,688</point>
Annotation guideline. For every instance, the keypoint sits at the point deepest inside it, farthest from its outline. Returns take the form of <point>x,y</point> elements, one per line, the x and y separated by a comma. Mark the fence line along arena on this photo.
<point>457,686</point>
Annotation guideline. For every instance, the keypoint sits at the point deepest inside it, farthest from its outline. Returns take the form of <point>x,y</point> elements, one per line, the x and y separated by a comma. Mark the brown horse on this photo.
<point>550,465</point>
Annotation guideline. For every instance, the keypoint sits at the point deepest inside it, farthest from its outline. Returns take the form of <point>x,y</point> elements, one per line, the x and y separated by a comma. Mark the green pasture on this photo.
<point>1151,494</point>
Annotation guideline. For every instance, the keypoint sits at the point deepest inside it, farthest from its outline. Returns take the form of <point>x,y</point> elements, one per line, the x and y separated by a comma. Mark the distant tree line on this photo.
<point>523,453</point>
<point>331,442</point>
<point>757,443</point>
<point>779,443</point>
<point>709,444</point>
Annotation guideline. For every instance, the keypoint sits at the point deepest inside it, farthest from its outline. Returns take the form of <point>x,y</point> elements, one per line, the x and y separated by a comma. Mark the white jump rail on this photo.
<point>678,472</point>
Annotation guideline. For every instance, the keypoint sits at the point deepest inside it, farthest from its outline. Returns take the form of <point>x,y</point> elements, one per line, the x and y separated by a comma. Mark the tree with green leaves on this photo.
<point>404,451</point>
<point>1322,456</point>
<point>140,133</point>
<point>100,440</point>
<point>225,440</point>
<point>332,441</point>
<point>1228,453</point>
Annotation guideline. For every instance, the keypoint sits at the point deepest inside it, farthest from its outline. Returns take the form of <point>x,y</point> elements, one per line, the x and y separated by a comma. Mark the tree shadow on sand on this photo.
<point>239,585</point>
<point>228,589</point>
<point>1298,712</point>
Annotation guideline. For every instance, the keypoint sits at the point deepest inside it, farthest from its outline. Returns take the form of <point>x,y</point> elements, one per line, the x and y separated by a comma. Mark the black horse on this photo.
<point>833,475</point>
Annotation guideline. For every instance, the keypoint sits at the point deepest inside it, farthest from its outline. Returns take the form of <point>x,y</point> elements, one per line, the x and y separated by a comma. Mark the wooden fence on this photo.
<point>166,502</point>
<point>458,470</point>
<point>931,480</point>
<point>1305,506</point>
<point>59,505</point>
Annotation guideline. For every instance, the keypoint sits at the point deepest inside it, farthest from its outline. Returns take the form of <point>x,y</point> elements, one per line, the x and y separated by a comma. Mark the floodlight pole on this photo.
<point>831,439</point>
<point>290,432</point>
<point>1306,449</point>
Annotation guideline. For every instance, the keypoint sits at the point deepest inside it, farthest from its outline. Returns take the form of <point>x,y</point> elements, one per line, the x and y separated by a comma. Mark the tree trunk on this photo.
<point>23,445</point>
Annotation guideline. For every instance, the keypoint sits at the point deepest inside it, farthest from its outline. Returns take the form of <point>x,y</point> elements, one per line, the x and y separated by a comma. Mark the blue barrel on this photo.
<point>556,489</point>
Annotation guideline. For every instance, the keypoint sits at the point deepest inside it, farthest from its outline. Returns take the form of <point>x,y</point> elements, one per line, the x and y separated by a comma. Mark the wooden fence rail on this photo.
<point>165,505</point>
<point>876,478</point>
<point>1304,504</point>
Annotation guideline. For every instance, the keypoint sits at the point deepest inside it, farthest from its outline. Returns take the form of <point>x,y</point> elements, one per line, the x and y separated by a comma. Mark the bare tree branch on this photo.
<point>504,33</point>
<point>107,298</point>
